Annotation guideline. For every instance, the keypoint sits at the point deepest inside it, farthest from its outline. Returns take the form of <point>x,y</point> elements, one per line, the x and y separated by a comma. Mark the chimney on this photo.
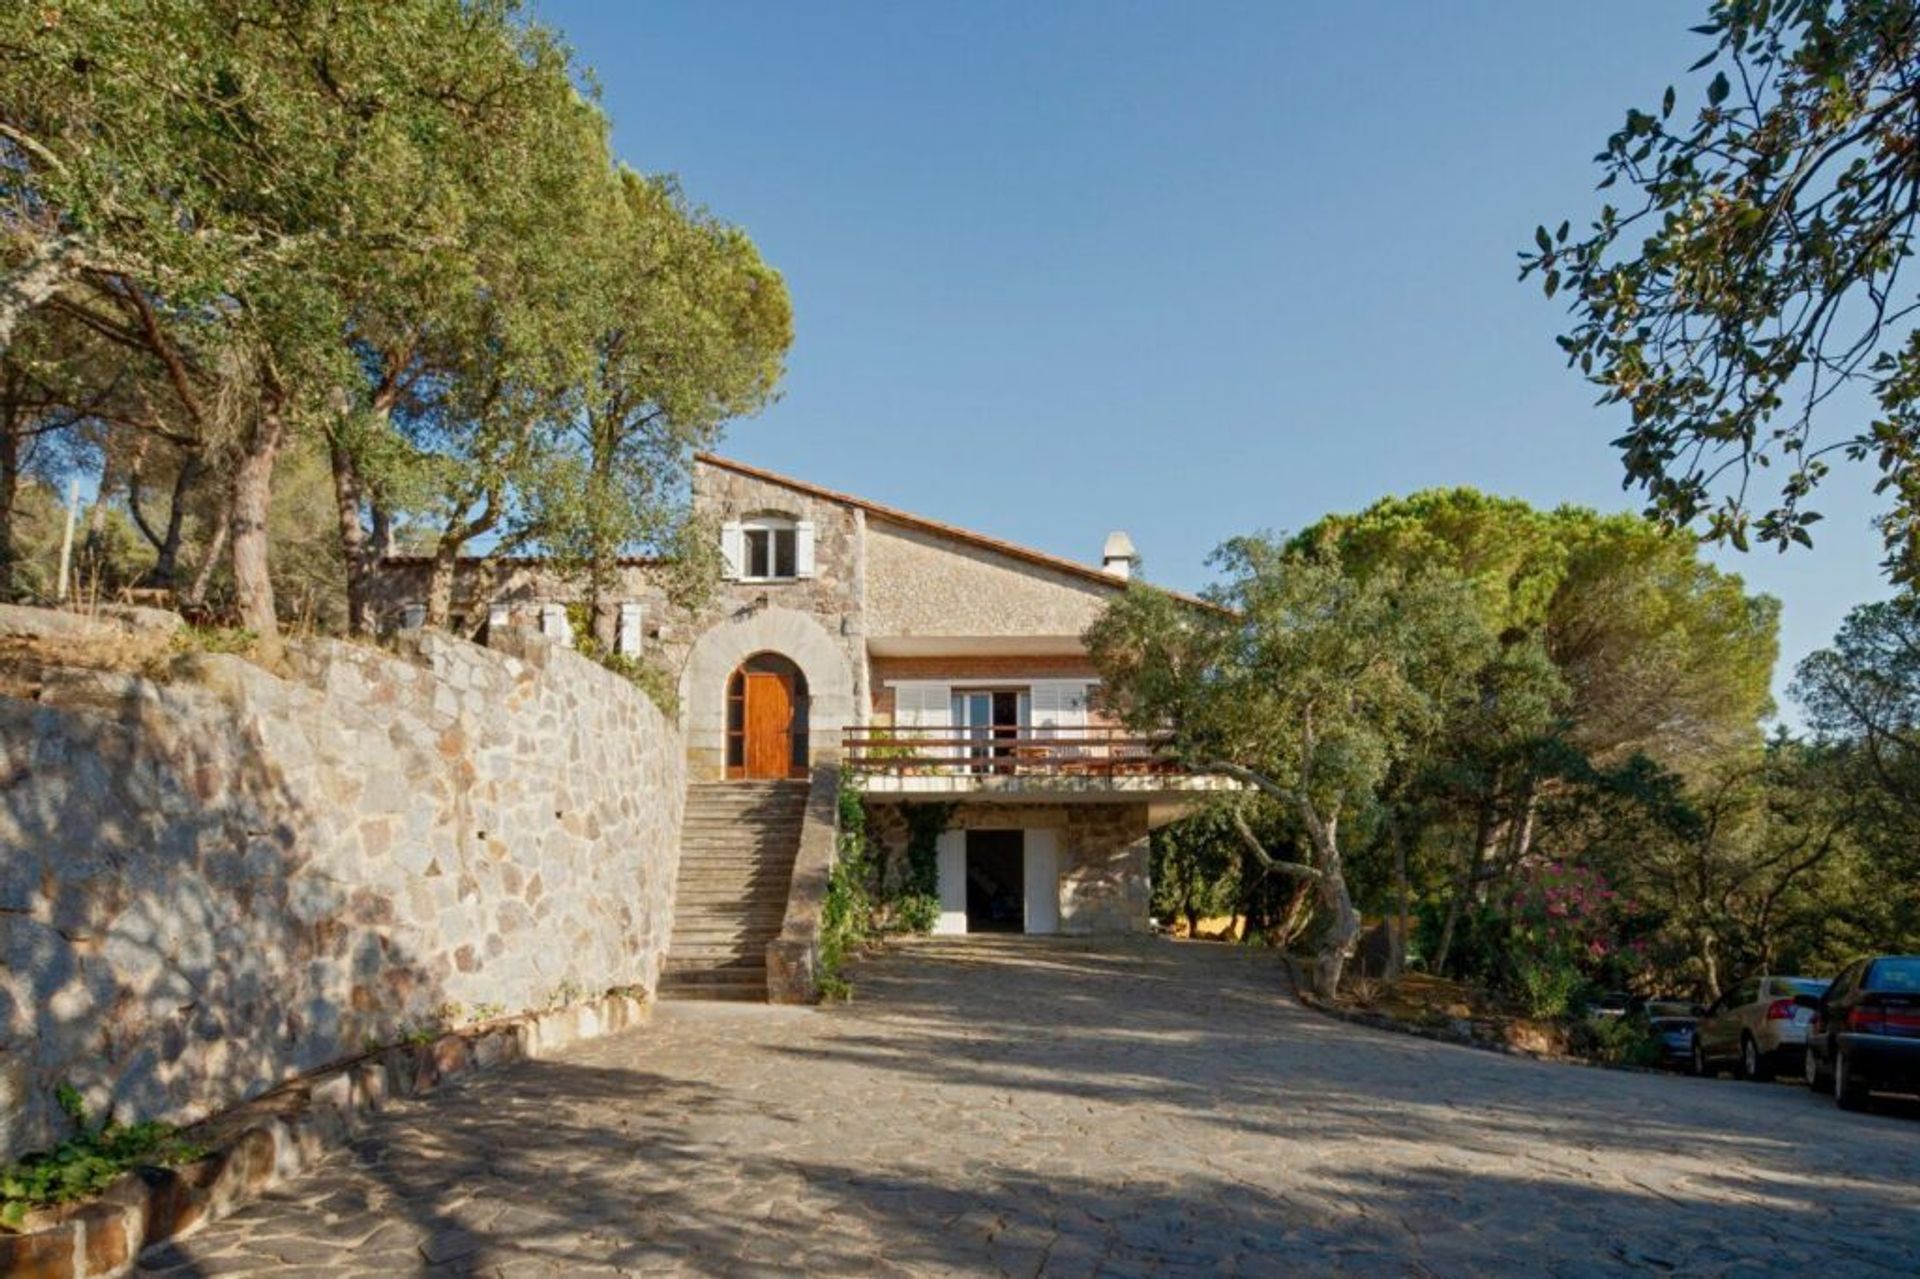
<point>1118,558</point>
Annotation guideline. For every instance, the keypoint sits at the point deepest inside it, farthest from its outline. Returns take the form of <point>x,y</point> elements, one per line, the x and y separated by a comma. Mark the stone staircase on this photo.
<point>737,846</point>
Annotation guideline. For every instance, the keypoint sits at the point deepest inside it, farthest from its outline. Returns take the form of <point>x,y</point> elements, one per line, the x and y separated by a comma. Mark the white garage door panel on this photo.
<point>952,863</point>
<point>1043,881</point>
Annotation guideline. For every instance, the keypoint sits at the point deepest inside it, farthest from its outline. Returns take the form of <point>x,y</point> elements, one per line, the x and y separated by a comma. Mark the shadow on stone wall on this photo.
<point>210,883</point>
<point>164,953</point>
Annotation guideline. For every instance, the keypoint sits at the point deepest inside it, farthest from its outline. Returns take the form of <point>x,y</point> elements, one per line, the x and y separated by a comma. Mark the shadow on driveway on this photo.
<point>1025,1106</point>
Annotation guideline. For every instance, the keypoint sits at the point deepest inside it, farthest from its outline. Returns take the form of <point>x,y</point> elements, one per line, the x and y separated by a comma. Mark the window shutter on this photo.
<point>554,623</point>
<point>627,640</point>
<point>803,548</point>
<point>1059,703</point>
<point>733,550</point>
<point>917,704</point>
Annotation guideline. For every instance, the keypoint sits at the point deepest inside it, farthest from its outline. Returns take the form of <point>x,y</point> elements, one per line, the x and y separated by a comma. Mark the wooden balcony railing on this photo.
<point>1007,752</point>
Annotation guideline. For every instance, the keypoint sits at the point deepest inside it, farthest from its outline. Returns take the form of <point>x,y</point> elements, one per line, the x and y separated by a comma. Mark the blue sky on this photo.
<point>1189,270</point>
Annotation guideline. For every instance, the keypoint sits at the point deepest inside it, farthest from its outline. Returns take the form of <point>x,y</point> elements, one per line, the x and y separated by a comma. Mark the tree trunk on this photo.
<point>603,613</point>
<point>1709,964</point>
<point>166,564</point>
<point>1402,908</point>
<point>446,559</point>
<point>1343,928</point>
<point>382,529</point>
<point>252,501</point>
<point>94,544</point>
<point>196,596</point>
<point>1486,835</point>
<point>348,498</point>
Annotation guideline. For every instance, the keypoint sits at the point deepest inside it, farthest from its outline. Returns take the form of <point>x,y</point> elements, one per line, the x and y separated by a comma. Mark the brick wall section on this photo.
<point>211,883</point>
<point>1104,884</point>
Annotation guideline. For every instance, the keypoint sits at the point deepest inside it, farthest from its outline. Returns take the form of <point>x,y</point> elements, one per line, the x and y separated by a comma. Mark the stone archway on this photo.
<point>719,652</point>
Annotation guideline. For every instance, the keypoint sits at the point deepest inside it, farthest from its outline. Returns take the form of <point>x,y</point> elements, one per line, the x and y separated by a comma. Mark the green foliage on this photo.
<point>651,678</point>
<point>1752,271</point>
<point>916,912</point>
<point>1612,632</point>
<point>916,908</point>
<point>374,257</point>
<point>1617,1041</point>
<point>1195,867</point>
<point>87,1162</point>
<point>846,918</point>
<point>214,639</point>
<point>1545,985</point>
<point>1310,682</point>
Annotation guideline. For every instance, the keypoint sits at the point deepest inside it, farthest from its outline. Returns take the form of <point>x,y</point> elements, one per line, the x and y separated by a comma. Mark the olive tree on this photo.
<point>1305,683</point>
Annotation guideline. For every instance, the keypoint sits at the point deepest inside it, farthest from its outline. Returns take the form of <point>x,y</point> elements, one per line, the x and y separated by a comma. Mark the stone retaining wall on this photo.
<point>214,881</point>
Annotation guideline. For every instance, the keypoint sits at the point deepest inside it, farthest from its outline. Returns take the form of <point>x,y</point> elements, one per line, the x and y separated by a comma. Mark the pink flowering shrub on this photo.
<point>1568,928</point>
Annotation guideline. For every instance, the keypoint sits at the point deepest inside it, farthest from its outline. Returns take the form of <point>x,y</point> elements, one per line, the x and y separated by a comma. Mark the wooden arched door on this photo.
<point>767,719</point>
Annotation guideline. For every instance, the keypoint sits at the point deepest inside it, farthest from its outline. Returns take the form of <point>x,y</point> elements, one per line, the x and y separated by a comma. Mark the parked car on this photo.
<point>1866,1030</point>
<point>1756,1027</point>
<point>1670,1022</point>
<point>1614,1003</point>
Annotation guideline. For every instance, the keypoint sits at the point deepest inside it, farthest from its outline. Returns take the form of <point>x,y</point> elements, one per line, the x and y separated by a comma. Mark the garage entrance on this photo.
<point>999,881</point>
<point>996,881</point>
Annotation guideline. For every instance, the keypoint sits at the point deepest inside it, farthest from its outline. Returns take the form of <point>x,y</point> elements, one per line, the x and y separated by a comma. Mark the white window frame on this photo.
<point>736,547</point>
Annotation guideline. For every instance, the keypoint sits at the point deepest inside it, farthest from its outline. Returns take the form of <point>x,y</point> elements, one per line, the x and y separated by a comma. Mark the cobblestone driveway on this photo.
<point>1060,1108</point>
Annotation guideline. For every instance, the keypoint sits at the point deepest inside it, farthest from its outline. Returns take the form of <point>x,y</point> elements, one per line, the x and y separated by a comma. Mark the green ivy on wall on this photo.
<point>846,920</point>
<point>917,908</point>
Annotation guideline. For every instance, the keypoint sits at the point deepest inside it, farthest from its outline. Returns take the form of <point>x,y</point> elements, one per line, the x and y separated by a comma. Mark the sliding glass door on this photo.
<point>989,720</point>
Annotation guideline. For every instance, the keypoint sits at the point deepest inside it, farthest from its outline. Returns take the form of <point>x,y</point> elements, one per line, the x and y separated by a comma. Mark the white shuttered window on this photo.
<point>1060,703</point>
<point>803,548</point>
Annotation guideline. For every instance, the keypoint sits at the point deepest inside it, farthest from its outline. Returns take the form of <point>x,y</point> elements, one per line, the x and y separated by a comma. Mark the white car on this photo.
<point>1756,1028</point>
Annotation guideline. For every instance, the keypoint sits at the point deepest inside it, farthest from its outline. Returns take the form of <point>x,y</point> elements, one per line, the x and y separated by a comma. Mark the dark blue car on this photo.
<point>1865,1036</point>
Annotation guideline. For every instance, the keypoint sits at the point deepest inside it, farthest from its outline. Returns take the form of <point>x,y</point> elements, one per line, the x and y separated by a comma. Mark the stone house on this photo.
<point>930,663</point>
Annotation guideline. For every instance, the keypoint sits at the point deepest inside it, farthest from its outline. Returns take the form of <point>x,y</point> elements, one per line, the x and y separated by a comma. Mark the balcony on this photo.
<point>1018,764</point>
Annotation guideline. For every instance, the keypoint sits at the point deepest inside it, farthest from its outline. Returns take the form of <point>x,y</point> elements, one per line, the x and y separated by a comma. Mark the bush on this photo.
<point>1618,1041</point>
<point>846,918</point>
<point>1545,987</point>
<point>88,1162</point>
<point>917,912</point>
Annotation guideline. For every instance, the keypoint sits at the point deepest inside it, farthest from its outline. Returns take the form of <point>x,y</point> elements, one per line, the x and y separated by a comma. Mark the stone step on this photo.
<point>718,927</point>
<point>738,830</point>
<point>707,954</point>
<point>714,974</point>
<point>712,899</point>
<point>744,882</point>
<point>769,915</point>
<point>744,827</point>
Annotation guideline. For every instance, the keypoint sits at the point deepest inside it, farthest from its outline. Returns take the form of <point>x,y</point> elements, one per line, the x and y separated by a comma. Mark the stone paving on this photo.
<point>1051,1107</point>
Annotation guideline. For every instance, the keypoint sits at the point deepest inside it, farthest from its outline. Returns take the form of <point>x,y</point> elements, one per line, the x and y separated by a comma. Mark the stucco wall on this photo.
<point>922,585</point>
<point>210,883</point>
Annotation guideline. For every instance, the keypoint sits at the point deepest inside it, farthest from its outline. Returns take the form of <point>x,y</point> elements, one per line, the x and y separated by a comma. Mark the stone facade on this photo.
<point>1104,878</point>
<point>924,585</point>
<point>211,882</point>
